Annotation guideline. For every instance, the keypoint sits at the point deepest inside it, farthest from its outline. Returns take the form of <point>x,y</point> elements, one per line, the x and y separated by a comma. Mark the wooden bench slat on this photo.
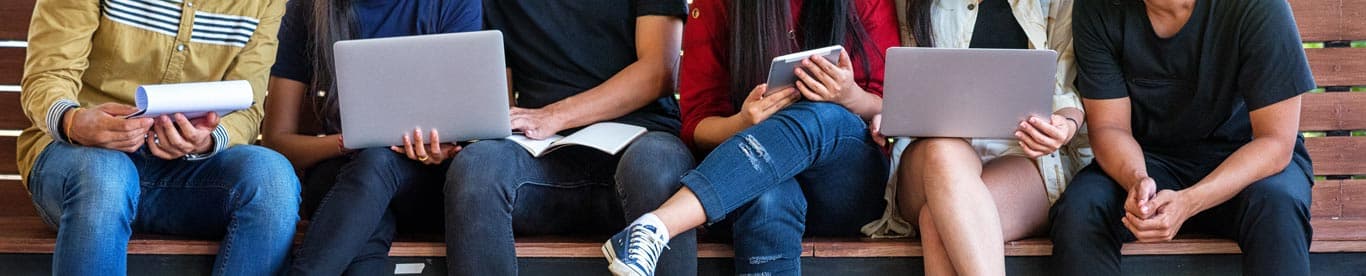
<point>16,15</point>
<point>8,161</point>
<point>11,65</point>
<point>1330,20</point>
<point>1340,155</point>
<point>11,114</point>
<point>1338,66</point>
<point>14,200</point>
<point>1353,199</point>
<point>1332,111</point>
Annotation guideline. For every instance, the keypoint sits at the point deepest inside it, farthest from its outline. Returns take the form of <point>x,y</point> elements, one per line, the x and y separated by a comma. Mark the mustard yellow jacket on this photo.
<point>88,52</point>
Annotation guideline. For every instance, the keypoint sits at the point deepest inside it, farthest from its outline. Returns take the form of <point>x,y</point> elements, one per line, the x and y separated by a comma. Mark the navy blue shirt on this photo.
<point>374,19</point>
<point>558,49</point>
<point>1190,93</point>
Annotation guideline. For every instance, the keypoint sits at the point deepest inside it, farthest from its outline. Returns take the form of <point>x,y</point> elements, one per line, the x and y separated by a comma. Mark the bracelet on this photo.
<point>67,128</point>
<point>1074,122</point>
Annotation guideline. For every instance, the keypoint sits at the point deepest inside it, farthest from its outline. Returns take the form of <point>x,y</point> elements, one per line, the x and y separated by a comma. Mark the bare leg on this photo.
<point>682,212</point>
<point>1018,190</point>
<point>963,212</point>
<point>937,260</point>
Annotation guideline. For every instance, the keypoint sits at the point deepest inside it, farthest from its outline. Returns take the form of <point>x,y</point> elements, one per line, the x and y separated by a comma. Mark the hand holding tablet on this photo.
<point>781,73</point>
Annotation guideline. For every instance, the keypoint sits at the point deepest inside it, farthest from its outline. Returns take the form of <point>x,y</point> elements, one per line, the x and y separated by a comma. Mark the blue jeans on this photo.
<point>96,198</point>
<point>494,189</point>
<point>811,168</point>
<point>354,226</point>
<point>1269,218</point>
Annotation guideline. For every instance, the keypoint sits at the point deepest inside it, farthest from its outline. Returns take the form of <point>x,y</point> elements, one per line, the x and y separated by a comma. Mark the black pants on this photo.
<point>1269,219</point>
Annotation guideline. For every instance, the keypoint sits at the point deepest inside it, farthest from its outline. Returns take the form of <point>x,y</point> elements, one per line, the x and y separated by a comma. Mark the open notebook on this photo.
<point>606,137</point>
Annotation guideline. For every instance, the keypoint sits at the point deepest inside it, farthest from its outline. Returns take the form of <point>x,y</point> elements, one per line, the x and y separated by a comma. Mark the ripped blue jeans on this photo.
<point>810,169</point>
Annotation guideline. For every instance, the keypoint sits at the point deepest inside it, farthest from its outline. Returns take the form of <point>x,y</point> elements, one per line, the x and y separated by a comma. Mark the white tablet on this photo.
<point>780,73</point>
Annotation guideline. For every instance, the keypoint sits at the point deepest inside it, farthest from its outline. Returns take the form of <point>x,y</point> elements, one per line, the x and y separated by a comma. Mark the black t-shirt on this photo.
<point>997,27</point>
<point>1191,92</point>
<point>558,49</point>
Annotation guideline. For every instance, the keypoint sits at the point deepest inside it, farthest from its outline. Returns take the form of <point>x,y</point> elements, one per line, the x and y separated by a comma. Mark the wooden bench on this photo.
<point>1339,206</point>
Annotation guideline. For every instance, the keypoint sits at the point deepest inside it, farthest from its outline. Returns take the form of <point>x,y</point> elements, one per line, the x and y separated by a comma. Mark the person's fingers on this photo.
<point>420,145</point>
<point>805,76</point>
<point>157,149</point>
<point>757,92</point>
<point>408,147</point>
<point>822,74</point>
<point>807,92</point>
<point>801,88</point>
<point>1047,128</point>
<point>437,154</point>
<point>516,111</point>
<point>116,109</point>
<point>1028,142</point>
<point>830,71</point>
<point>120,124</point>
<point>170,136</point>
<point>1048,143</point>
<point>396,149</point>
<point>186,129</point>
<point>845,61</point>
<point>1148,190</point>
<point>452,150</point>
<point>1028,151</point>
<point>209,121</point>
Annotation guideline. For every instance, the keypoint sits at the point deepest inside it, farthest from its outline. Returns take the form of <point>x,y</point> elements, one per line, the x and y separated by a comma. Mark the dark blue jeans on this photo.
<point>811,168</point>
<point>1269,219</point>
<point>96,198</point>
<point>494,188</point>
<point>354,226</point>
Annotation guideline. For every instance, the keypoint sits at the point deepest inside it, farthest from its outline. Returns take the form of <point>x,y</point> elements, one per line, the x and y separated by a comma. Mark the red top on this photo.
<point>704,82</point>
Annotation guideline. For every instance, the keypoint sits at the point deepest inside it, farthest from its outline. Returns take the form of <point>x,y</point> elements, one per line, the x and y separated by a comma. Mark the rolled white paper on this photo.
<point>194,99</point>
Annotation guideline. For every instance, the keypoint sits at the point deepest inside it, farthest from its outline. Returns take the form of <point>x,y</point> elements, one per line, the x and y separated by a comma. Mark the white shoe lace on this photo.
<point>644,248</point>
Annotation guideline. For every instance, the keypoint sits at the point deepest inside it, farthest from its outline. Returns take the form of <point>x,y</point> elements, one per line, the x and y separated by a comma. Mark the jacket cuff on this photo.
<point>220,143</point>
<point>54,118</point>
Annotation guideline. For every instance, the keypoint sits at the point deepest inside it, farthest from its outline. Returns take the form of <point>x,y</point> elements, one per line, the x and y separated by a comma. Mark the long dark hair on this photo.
<point>758,33</point>
<point>922,28</point>
<point>331,22</point>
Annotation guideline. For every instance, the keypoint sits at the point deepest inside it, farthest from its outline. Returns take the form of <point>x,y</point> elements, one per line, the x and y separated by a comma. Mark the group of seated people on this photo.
<point>1169,116</point>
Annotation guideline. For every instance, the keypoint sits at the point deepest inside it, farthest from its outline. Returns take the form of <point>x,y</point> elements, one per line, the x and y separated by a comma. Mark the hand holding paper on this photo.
<point>193,99</point>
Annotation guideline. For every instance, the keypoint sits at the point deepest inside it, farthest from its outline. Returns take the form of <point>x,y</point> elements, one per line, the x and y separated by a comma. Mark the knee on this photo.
<point>265,175</point>
<point>478,173</point>
<point>1090,199</point>
<point>776,207</point>
<point>95,165</point>
<point>1278,198</point>
<point>938,153</point>
<point>372,170</point>
<point>654,164</point>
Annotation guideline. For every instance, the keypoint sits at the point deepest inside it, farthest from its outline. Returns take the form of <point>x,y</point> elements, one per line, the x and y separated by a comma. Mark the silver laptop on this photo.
<point>454,83</point>
<point>970,93</point>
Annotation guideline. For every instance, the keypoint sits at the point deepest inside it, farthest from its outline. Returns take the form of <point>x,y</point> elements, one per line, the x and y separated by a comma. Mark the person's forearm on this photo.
<point>1119,155</point>
<point>634,87</point>
<point>1261,158</point>
<point>712,131</point>
<point>304,151</point>
<point>865,104</point>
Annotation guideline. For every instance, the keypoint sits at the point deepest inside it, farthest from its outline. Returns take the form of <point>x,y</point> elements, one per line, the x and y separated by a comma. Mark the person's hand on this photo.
<point>536,123</point>
<point>1136,204</point>
<point>821,81</point>
<point>875,130</point>
<point>758,107</point>
<point>429,153</point>
<point>1172,210</point>
<point>174,136</point>
<point>103,126</point>
<point>1039,137</point>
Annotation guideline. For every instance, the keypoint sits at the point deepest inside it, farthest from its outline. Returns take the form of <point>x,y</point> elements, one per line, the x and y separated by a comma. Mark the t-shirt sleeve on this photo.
<point>1099,75</point>
<point>1274,67</point>
<point>291,59</point>
<point>703,81</point>
<point>675,8</point>
<point>462,16</point>
<point>879,21</point>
